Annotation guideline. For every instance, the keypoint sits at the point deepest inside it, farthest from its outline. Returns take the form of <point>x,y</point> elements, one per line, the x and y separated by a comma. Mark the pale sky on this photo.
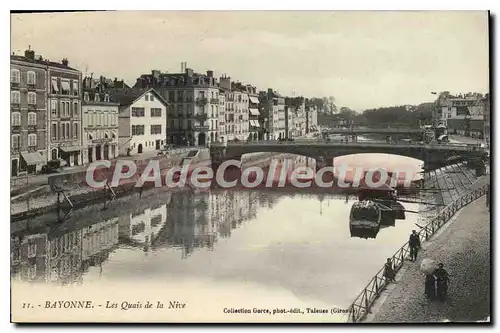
<point>364,59</point>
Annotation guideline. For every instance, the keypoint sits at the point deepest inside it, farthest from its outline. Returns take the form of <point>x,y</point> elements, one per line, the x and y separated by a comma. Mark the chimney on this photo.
<point>183,67</point>
<point>210,73</point>
<point>65,62</point>
<point>189,72</point>
<point>29,53</point>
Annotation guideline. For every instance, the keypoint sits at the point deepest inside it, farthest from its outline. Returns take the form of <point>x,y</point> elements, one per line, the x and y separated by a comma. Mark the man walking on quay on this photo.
<point>389,273</point>
<point>414,243</point>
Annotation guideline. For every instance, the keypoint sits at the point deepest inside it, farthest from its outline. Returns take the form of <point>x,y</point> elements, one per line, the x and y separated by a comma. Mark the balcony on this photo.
<point>31,87</point>
<point>200,116</point>
<point>201,101</point>
<point>201,128</point>
<point>32,107</point>
<point>15,85</point>
<point>32,128</point>
<point>16,128</point>
<point>214,101</point>
<point>15,106</point>
<point>31,149</point>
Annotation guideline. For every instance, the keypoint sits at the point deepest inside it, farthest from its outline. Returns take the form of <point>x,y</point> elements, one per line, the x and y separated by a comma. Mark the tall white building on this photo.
<point>142,120</point>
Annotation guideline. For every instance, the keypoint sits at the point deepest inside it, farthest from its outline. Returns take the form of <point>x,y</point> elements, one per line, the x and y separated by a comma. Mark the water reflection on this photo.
<point>61,255</point>
<point>178,222</point>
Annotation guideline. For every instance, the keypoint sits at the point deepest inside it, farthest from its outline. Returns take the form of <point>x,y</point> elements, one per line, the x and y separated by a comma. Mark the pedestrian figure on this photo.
<point>430,286</point>
<point>442,280</point>
<point>389,273</point>
<point>414,243</point>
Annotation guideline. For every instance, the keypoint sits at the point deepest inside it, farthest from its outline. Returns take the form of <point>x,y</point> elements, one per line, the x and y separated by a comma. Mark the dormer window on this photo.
<point>106,98</point>
<point>96,98</point>
<point>86,96</point>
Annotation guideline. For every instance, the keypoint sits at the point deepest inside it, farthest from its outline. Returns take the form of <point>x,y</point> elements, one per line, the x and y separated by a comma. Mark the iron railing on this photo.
<point>362,305</point>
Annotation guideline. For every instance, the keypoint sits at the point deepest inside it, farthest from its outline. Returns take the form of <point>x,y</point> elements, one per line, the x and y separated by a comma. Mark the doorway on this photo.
<point>106,152</point>
<point>158,144</point>
<point>202,139</point>
<point>14,167</point>
<point>139,148</point>
<point>97,152</point>
<point>90,155</point>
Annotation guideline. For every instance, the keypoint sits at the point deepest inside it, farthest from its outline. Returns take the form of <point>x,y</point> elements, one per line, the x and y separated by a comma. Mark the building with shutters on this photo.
<point>142,120</point>
<point>65,115</point>
<point>194,104</point>
<point>100,121</point>
<point>28,110</point>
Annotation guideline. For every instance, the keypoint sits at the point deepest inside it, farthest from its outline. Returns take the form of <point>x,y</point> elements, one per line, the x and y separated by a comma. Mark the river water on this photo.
<point>234,248</point>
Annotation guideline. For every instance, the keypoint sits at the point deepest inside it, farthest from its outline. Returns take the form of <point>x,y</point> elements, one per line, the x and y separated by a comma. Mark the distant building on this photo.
<point>142,120</point>
<point>194,104</point>
<point>462,114</point>
<point>100,121</point>
<point>272,110</point>
<point>28,105</point>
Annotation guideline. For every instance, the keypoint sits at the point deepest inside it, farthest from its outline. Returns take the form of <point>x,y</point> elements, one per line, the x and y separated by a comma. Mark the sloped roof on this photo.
<point>127,96</point>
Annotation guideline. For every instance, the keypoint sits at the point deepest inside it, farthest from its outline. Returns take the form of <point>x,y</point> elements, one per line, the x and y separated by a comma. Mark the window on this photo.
<point>32,98</point>
<point>106,98</point>
<point>15,76</point>
<point>96,97</point>
<point>16,119</point>
<point>54,131</point>
<point>67,131</point>
<point>75,130</point>
<point>171,96</point>
<point>53,108</point>
<point>15,97</point>
<point>91,119</point>
<point>155,112</point>
<point>146,97</point>
<point>54,86</point>
<point>75,109</point>
<point>137,129</point>
<point>180,96</point>
<point>75,87</point>
<point>16,141</point>
<point>98,118</point>
<point>65,87</point>
<point>86,97</point>
<point>151,97</point>
<point>32,140</point>
<point>106,119</point>
<point>137,112</point>
<point>31,78</point>
<point>62,133</point>
<point>155,129</point>
<point>31,119</point>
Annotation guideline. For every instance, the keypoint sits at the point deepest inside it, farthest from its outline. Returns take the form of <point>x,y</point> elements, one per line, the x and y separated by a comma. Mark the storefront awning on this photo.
<point>32,158</point>
<point>254,112</point>
<point>71,149</point>
<point>254,100</point>
<point>65,85</point>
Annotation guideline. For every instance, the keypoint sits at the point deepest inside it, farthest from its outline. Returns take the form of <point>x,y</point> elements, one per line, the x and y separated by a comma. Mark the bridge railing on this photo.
<point>447,146</point>
<point>362,305</point>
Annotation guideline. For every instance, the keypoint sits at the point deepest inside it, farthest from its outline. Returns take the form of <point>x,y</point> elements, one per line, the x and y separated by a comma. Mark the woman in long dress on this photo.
<point>430,286</point>
<point>389,273</point>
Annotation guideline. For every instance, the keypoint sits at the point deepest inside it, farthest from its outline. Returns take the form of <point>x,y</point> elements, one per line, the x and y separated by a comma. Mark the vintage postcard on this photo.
<point>250,167</point>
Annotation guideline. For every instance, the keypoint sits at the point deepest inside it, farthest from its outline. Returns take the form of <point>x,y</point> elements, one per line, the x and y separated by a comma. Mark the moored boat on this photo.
<point>365,219</point>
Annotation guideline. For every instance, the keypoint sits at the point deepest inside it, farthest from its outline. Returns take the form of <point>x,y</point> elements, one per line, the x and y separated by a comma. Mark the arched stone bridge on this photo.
<point>433,155</point>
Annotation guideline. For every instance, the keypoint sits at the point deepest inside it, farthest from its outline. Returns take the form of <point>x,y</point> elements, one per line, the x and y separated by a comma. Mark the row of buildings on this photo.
<point>56,113</point>
<point>465,114</point>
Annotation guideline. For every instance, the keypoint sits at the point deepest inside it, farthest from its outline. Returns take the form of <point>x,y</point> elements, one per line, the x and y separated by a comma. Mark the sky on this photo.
<point>363,59</point>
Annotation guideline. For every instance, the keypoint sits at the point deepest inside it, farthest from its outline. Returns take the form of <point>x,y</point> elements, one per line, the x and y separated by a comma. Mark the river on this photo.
<point>219,249</point>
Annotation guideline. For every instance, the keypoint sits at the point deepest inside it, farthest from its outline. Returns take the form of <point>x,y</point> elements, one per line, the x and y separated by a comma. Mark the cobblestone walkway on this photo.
<point>464,247</point>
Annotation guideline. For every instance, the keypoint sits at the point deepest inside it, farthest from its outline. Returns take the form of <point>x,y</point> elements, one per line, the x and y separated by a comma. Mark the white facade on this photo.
<point>142,124</point>
<point>144,227</point>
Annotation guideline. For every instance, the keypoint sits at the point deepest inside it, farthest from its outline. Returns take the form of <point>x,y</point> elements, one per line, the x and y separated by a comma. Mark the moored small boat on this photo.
<point>365,219</point>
